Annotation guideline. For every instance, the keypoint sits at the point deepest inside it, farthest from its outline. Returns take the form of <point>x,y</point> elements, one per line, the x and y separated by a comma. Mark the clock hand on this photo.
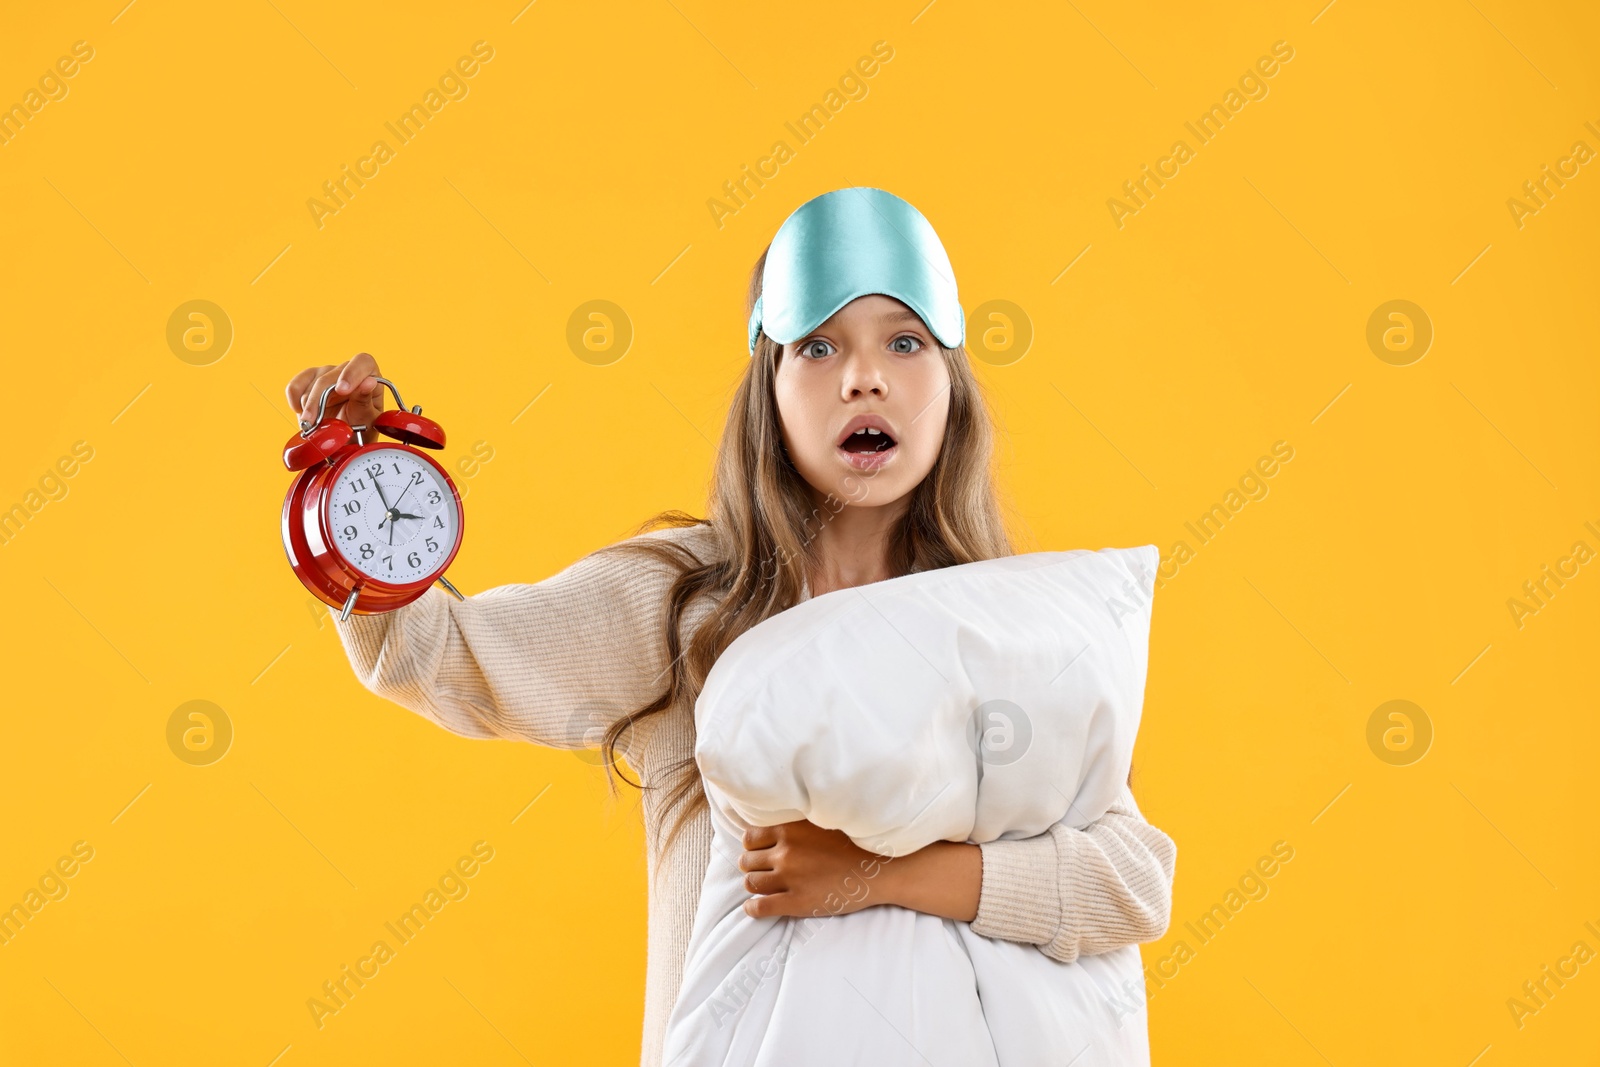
<point>392,510</point>
<point>388,509</point>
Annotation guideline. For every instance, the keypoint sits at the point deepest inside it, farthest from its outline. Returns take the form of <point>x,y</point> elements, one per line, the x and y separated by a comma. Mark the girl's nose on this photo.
<point>863,375</point>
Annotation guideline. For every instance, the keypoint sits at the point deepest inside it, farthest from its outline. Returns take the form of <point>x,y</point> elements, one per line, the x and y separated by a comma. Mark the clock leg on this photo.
<point>446,583</point>
<point>350,604</point>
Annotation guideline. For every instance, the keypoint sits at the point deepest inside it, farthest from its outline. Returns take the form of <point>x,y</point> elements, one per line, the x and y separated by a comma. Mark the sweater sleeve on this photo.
<point>554,662</point>
<point>1080,892</point>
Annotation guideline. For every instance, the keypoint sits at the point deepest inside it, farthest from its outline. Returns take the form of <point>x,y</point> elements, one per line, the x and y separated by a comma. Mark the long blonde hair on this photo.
<point>765,525</point>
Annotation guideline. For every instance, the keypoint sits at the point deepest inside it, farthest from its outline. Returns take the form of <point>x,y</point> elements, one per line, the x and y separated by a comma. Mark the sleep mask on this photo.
<point>849,243</point>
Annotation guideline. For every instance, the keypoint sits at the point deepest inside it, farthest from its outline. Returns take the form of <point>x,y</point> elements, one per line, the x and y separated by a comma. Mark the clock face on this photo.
<point>392,516</point>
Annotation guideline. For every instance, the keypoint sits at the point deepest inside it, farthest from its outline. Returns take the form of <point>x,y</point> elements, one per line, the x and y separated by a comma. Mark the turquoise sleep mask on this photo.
<point>849,243</point>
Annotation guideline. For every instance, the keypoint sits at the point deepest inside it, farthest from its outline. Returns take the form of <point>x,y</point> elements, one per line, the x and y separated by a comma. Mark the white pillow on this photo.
<point>976,702</point>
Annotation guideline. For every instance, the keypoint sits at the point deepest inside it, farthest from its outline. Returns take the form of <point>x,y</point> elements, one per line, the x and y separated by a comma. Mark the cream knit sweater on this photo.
<point>556,661</point>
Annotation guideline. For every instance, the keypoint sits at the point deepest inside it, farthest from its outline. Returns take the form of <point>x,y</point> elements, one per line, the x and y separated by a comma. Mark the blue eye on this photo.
<point>895,344</point>
<point>807,349</point>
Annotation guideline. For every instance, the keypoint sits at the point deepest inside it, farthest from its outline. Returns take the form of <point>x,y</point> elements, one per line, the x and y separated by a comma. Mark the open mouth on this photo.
<point>868,440</point>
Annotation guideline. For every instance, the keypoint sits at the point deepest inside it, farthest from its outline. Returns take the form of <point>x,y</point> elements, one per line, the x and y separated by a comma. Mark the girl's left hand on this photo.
<point>798,868</point>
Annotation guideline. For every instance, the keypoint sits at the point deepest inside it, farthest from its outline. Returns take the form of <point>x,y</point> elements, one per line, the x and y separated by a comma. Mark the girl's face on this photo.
<point>874,364</point>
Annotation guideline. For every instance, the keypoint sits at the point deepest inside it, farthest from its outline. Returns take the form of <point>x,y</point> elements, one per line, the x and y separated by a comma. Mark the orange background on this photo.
<point>1228,313</point>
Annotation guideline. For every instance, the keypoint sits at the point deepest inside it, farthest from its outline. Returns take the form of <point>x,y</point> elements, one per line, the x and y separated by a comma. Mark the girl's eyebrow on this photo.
<point>888,317</point>
<point>903,315</point>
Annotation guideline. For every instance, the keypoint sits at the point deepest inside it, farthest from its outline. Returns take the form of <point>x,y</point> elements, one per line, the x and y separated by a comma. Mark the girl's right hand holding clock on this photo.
<point>357,397</point>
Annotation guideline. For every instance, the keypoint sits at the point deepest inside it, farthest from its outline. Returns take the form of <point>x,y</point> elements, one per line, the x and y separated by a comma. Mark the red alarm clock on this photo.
<point>369,524</point>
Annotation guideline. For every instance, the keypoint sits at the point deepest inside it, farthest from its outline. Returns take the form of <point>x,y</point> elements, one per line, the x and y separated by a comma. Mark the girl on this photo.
<point>855,450</point>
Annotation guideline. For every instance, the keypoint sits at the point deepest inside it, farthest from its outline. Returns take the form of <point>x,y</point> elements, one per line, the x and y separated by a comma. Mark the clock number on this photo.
<point>416,477</point>
<point>390,561</point>
<point>352,506</point>
<point>438,520</point>
<point>433,546</point>
<point>375,470</point>
<point>349,533</point>
<point>397,469</point>
<point>359,485</point>
<point>414,560</point>
<point>433,496</point>
<point>366,551</point>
